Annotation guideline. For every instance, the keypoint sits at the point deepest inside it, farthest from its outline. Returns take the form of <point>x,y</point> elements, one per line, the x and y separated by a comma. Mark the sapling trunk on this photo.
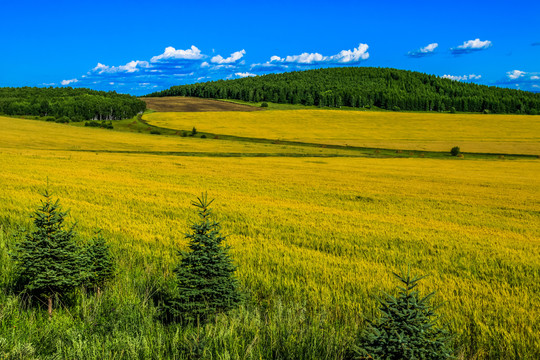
<point>50,306</point>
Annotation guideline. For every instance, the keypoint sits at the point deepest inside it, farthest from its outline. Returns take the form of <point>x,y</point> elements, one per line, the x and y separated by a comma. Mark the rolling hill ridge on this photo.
<point>366,87</point>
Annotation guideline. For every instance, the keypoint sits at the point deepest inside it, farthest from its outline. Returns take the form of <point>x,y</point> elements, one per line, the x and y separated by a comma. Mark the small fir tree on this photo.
<point>99,263</point>
<point>407,328</point>
<point>205,275</point>
<point>48,260</point>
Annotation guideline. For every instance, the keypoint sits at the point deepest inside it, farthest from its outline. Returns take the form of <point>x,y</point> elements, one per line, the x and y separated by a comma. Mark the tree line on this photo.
<point>76,104</point>
<point>366,87</point>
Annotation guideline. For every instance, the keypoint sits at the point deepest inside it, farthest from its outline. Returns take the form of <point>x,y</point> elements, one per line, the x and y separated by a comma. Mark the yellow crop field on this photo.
<point>510,134</point>
<point>22,135</point>
<point>325,233</point>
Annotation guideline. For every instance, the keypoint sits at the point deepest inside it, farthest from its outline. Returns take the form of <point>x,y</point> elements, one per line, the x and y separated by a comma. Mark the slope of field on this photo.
<point>511,134</point>
<point>191,104</point>
<point>322,235</point>
<point>23,135</point>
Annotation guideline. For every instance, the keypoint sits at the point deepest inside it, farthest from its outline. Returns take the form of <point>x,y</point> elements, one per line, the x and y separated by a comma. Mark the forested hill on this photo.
<point>364,87</point>
<point>77,104</point>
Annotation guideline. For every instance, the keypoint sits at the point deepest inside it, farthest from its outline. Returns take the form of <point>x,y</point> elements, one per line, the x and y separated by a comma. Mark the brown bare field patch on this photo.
<point>192,104</point>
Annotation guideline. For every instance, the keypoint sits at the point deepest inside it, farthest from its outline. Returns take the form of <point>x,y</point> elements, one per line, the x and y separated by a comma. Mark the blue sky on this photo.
<point>142,46</point>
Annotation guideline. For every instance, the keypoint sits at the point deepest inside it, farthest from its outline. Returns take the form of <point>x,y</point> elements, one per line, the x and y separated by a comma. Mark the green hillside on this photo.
<point>384,88</point>
<point>76,104</point>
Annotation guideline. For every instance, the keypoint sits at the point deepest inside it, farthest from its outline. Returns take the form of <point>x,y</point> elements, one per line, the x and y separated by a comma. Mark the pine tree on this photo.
<point>99,263</point>
<point>407,328</point>
<point>205,275</point>
<point>48,260</point>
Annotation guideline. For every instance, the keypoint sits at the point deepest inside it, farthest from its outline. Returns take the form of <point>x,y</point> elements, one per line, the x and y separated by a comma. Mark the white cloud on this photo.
<point>426,50</point>
<point>67,82</point>
<point>100,68</point>
<point>244,74</point>
<point>470,46</point>
<point>171,53</point>
<point>462,77</point>
<point>535,77</point>
<point>343,57</point>
<point>130,67</point>
<point>515,74</point>
<point>235,56</point>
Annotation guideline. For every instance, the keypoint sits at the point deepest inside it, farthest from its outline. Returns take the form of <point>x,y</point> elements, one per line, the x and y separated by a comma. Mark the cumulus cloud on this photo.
<point>244,74</point>
<point>471,46</point>
<point>67,82</point>
<point>535,77</point>
<point>425,51</point>
<point>515,74</point>
<point>235,56</point>
<point>343,57</point>
<point>462,77</point>
<point>171,53</point>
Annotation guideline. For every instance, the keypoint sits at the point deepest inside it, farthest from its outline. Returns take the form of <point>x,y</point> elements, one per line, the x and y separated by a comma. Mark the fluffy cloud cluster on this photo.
<point>354,56</point>
<point>171,53</point>
<point>471,46</point>
<point>515,74</point>
<point>244,74</point>
<point>130,67</point>
<point>462,77</point>
<point>67,82</point>
<point>521,80</point>
<point>235,56</point>
<point>182,66</point>
<point>425,51</point>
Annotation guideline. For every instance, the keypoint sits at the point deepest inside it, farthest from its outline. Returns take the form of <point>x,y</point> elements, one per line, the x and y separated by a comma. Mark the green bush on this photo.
<point>62,120</point>
<point>203,136</point>
<point>264,104</point>
<point>193,131</point>
<point>50,118</point>
<point>407,329</point>
<point>452,110</point>
<point>155,132</point>
<point>396,108</point>
<point>455,151</point>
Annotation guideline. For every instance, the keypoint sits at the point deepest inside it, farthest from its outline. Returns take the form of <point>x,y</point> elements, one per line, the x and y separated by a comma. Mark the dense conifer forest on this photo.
<point>76,104</point>
<point>366,87</point>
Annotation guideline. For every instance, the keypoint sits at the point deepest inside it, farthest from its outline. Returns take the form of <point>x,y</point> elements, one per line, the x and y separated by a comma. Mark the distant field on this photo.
<point>510,134</point>
<point>192,104</point>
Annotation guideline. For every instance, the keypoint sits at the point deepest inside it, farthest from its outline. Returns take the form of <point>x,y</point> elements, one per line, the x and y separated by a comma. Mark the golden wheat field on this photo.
<point>510,134</point>
<point>325,232</point>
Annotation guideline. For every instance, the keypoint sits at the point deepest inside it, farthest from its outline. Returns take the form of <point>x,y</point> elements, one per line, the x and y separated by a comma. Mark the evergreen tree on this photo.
<point>48,260</point>
<point>99,263</point>
<point>205,275</point>
<point>407,328</point>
